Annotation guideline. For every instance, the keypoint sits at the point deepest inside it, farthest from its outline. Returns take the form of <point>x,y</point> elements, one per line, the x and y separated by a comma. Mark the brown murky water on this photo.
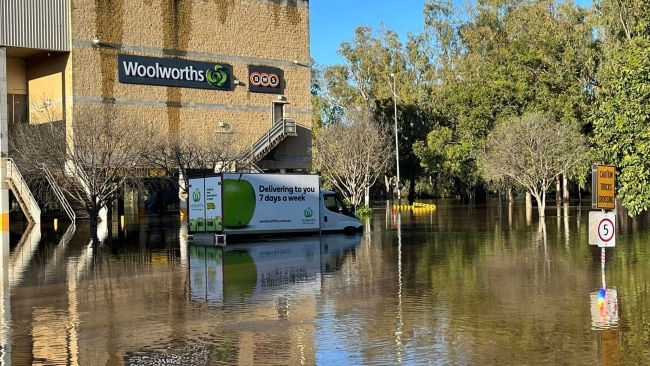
<point>461,285</point>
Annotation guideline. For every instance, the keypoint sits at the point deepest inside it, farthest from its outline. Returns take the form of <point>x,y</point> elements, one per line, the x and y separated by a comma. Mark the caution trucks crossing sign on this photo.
<point>603,187</point>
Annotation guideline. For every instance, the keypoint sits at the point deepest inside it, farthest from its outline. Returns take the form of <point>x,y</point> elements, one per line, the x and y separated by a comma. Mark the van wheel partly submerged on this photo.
<point>352,230</point>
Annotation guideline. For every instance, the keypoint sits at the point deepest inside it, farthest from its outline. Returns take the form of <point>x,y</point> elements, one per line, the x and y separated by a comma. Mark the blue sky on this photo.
<point>334,21</point>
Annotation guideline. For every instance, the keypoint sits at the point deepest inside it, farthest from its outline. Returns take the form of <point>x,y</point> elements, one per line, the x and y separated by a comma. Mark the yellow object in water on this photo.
<point>415,206</point>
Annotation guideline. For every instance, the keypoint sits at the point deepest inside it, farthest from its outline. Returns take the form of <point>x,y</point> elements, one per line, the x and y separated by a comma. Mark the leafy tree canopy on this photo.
<point>533,150</point>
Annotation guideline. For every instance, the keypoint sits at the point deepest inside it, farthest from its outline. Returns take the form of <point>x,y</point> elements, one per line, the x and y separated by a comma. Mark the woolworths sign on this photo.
<point>173,72</point>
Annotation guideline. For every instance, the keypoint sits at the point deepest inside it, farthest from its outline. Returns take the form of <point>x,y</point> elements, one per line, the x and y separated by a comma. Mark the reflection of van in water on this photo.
<point>263,269</point>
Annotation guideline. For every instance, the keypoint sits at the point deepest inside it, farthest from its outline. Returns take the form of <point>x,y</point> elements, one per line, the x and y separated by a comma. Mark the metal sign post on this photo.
<point>602,232</point>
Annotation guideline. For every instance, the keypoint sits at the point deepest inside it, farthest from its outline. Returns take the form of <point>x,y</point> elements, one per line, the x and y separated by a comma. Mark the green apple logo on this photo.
<point>239,275</point>
<point>238,202</point>
<point>308,212</point>
<point>196,196</point>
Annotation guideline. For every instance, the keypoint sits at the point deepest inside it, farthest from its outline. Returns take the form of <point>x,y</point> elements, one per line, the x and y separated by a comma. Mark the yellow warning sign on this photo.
<point>605,187</point>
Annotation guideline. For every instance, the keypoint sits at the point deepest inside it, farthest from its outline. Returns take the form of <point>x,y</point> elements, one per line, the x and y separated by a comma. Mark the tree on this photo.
<point>493,64</point>
<point>182,152</point>
<point>622,118</point>
<point>622,123</point>
<point>91,160</point>
<point>378,71</point>
<point>352,155</point>
<point>533,150</point>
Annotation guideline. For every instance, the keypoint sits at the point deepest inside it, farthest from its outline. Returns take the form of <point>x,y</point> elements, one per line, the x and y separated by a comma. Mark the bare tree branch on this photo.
<point>353,155</point>
<point>91,160</point>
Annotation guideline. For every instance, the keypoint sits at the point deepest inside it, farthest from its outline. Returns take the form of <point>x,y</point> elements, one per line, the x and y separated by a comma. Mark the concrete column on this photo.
<point>5,302</point>
<point>4,144</point>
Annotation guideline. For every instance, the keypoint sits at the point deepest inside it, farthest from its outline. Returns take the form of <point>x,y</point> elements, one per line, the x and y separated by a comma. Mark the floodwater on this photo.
<point>459,285</point>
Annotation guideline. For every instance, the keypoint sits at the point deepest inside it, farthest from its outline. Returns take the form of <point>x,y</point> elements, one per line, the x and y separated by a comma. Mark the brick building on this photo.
<point>230,66</point>
<point>239,67</point>
<point>69,52</point>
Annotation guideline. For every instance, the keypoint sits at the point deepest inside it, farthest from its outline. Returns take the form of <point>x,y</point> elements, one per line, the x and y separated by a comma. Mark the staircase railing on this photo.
<point>278,132</point>
<point>22,191</point>
<point>59,194</point>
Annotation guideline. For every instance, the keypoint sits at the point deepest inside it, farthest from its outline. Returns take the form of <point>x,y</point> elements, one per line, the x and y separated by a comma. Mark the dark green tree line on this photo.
<point>584,67</point>
<point>622,118</point>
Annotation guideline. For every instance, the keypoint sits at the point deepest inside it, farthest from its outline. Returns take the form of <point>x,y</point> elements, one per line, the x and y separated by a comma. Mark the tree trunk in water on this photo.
<point>579,197</point>
<point>367,196</point>
<point>541,204</point>
<point>565,189</point>
<point>93,226</point>
<point>93,212</point>
<point>510,206</point>
<point>411,195</point>
<point>529,207</point>
<point>96,214</point>
<point>558,191</point>
<point>387,186</point>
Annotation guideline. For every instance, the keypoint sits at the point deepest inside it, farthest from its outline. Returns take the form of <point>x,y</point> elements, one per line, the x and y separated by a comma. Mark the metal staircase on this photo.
<point>59,194</point>
<point>21,190</point>
<point>280,130</point>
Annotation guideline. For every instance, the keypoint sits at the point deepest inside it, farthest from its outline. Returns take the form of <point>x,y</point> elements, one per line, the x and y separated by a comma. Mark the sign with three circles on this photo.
<point>264,79</point>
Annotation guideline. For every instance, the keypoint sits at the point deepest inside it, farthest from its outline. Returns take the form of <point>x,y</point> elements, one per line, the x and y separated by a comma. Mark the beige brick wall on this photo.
<point>45,75</point>
<point>236,32</point>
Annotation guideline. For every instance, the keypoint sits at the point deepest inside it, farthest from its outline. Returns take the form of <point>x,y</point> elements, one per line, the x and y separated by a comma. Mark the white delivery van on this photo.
<point>244,204</point>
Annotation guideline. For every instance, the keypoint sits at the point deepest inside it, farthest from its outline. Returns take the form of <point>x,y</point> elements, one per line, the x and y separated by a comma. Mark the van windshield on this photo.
<point>335,204</point>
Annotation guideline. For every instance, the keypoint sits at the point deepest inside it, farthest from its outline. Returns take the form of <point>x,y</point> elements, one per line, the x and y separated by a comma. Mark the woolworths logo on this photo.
<point>196,196</point>
<point>173,72</point>
<point>309,213</point>
<point>216,76</point>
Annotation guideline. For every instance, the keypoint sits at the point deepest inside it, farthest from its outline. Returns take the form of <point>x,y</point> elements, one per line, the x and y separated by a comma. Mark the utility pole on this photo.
<point>399,181</point>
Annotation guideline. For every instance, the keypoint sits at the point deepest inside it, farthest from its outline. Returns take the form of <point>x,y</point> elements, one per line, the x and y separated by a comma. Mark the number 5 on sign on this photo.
<point>606,230</point>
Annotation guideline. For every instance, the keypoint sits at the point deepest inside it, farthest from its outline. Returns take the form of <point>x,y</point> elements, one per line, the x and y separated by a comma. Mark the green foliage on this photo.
<point>364,211</point>
<point>533,151</point>
<point>465,71</point>
<point>621,20</point>
<point>425,188</point>
<point>495,65</point>
<point>622,122</point>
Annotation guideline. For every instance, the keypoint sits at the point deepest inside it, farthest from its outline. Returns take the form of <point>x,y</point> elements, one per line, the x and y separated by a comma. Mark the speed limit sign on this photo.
<point>606,230</point>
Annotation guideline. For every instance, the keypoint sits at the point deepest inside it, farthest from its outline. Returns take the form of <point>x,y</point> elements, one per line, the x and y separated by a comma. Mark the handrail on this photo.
<point>59,194</point>
<point>23,191</point>
<point>253,168</point>
<point>284,127</point>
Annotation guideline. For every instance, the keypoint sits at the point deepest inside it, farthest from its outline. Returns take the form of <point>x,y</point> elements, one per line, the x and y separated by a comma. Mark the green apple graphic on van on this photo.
<point>238,202</point>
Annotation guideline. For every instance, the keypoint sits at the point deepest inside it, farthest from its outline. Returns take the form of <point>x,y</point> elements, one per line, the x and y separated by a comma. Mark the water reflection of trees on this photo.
<point>493,291</point>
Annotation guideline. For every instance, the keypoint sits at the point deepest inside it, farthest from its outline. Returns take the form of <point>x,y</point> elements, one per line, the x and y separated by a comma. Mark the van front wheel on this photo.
<point>351,230</point>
